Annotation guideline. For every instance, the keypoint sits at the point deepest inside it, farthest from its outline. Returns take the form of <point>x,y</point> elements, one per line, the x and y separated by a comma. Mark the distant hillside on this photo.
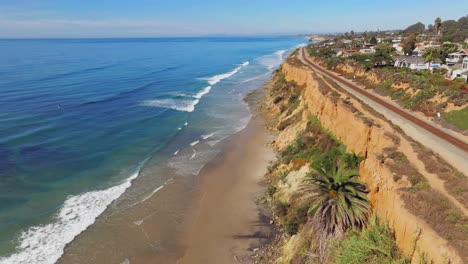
<point>451,30</point>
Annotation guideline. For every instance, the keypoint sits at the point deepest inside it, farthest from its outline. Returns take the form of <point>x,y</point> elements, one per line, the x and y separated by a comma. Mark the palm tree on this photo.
<point>438,25</point>
<point>338,199</point>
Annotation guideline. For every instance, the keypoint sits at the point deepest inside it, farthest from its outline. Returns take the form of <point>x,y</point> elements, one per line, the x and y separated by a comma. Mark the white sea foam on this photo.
<point>177,152</point>
<point>185,124</point>
<point>44,244</point>
<point>200,94</point>
<point>194,154</point>
<point>194,143</point>
<point>151,195</point>
<point>280,54</point>
<point>255,78</point>
<point>179,105</point>
<point>272,61</point>
<point>207,136</point>
<point>217,78</point>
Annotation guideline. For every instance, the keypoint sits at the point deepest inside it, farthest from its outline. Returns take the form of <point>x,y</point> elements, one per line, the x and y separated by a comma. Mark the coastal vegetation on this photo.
<point>330,202</point>
<point>339,200</point>
<point>374,244</point>
<point>308,184</point>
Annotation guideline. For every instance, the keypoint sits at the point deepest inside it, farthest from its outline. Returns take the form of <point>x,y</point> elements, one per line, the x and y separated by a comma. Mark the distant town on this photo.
<point>440,47</point>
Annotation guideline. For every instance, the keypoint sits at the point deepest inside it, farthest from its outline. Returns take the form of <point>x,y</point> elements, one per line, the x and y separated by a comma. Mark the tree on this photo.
<point>382,55</point>
<point>409,44</point>
<point>415,29</point>
<point>441,53</point>
<point>339,200</point>
<point>373,40</point>
<point>438,25</point>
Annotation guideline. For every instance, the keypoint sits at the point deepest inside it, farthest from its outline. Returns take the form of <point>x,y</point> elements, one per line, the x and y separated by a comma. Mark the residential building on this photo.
<point>367,50</point>
<point>459,70</point>
<point>411,62</point>
<point>347,53</point>
<point>456,57</point>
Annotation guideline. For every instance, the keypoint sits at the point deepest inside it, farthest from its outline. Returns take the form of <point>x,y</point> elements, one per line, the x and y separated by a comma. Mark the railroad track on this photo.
<point>411,118</point>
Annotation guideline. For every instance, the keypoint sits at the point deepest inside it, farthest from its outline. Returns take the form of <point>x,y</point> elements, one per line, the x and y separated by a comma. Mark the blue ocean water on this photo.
<point>80,119</point>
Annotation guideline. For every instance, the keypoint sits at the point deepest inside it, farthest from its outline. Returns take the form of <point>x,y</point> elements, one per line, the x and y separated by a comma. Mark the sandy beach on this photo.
<point>215,217</point>
<point>228,224</point>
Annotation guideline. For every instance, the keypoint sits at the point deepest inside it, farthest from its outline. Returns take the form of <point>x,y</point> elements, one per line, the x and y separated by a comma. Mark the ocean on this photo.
<point>83,120</point>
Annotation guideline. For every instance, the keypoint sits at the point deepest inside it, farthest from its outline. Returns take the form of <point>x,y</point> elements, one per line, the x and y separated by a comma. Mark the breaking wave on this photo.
<point>179,105</point>
<point>44,244</point>
<point>217,78</point>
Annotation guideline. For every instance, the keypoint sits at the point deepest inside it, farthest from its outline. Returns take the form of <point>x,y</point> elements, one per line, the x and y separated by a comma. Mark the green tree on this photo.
<point>409,44</point>
<point>438,25</point>
<point>373,40</point>
<point>417,28</point>
<point>382,55</point>
<point>430,54</point>
<point>339,201</point>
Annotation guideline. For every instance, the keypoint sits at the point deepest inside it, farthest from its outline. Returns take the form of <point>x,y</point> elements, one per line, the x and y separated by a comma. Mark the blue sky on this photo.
<point>153,18</point>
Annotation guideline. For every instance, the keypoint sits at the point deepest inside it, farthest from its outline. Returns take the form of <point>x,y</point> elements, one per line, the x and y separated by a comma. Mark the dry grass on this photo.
<point>442,216</point>
<point>455,182</point>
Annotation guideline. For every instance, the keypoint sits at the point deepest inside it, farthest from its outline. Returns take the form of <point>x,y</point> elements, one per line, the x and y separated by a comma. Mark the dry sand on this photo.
<point>229,224</point>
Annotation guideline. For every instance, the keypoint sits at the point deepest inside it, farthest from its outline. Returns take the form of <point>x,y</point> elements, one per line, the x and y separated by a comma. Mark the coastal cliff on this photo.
<point>403,192</point>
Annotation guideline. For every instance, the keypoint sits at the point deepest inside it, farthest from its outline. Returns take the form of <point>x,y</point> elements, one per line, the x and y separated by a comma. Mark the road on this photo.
<point>454,150</point>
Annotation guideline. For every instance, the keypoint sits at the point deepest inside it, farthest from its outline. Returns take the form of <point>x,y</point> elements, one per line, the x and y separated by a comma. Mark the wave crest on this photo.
<point>44,244</point>
<point>179,105</point>
<point>217,78</point>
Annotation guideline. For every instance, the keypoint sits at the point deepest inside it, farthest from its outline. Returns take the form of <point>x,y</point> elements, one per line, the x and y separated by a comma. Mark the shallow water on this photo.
<point>80,120</point>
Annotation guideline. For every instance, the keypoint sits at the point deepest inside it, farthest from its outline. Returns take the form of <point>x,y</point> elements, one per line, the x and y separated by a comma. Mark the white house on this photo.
<point>398,48</point>
<point>367,50</point>
<point>460,72</point>
<point>412,62</point>
<point>456,57</point>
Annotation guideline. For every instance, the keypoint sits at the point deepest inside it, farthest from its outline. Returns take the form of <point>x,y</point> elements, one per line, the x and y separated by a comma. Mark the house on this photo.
<point>419,51</point>
<point>456,57</point>
<point>338,52</point>
<point>460,70</point>
<point>411,62</point>
<point>367,50</point>
<point>349,52</point>
<point>398,48</point>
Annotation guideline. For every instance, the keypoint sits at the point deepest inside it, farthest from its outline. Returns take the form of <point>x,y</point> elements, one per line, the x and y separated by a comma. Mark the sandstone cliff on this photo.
<point>372,137</point>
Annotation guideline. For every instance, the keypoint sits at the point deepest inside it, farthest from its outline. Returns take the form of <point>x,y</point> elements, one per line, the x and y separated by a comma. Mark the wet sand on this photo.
<point>214,217</point>
<point>229,223</point>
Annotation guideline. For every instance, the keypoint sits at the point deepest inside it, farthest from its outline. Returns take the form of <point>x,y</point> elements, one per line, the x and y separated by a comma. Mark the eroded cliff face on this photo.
<point>416,238</point>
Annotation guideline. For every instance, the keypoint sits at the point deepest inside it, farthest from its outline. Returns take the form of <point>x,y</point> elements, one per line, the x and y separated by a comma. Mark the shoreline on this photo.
<point>230,222</point>
<point>221,208</point>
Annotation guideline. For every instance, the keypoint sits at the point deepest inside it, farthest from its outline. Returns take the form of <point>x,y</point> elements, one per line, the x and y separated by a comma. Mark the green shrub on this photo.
<point>352,160</point>
<point>271,190</point>
<point>291,226</point>
<point>280,208</point>
<point>375,244</point>
<point>458,118</point>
